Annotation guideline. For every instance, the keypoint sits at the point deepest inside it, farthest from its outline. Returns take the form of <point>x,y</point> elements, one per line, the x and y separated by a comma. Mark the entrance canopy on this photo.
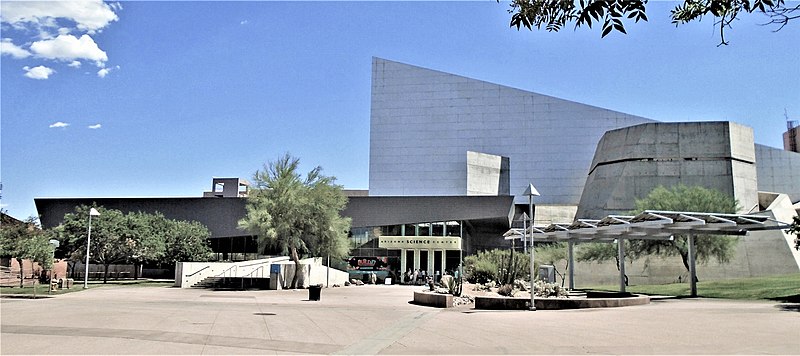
<point>648,225</point>
<point>653,224</point>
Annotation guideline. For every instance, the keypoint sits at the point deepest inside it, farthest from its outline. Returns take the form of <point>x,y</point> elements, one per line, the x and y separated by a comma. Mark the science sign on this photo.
<point>419,242</point>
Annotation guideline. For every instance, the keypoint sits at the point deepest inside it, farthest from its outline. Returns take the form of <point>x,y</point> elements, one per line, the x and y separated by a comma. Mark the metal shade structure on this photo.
<point>651,225</point>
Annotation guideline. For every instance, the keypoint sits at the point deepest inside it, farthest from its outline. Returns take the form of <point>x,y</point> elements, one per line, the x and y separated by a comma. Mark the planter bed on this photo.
<point>432,299</point>
<point>511,303</point>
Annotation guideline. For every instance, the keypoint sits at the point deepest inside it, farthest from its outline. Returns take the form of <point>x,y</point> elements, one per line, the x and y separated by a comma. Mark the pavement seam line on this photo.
<point>384,338</point>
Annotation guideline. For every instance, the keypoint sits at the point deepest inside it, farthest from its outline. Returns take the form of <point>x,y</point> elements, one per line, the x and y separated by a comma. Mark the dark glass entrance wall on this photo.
<point>423,260</point>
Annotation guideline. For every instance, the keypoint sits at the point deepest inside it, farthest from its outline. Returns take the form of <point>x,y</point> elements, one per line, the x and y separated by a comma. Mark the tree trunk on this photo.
<point>135,271</point>
<point>296,260</point>
<point>105,273</point>
<point>21,273</point>
<point>685,258</point>
<point>70,269</point>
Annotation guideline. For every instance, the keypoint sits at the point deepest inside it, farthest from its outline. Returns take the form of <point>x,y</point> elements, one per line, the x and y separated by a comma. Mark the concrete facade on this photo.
<point>424,121</point>
<point>631,161</point>
<point>778,171</point>
<point>487,174</point>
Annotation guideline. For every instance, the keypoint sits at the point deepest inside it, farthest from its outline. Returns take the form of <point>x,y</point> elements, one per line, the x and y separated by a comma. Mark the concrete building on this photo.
<point>791,138</point>
<point>423,122</point>
<point>632,161</point>
<point>450,158</point>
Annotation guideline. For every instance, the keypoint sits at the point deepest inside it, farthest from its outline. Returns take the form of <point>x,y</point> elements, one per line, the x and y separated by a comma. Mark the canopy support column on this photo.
<point>692,270</point>
<point>571,262</point>
<point>621,258</point>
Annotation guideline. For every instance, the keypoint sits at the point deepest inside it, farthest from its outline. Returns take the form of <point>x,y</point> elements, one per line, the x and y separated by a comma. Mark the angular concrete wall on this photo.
<point>778,171</point>
<point>631,161</point>
<point>424,121</point>
<point>487,174</point>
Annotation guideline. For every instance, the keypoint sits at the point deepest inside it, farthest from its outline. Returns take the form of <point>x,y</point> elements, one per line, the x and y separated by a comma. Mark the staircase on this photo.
<point>232,283</point>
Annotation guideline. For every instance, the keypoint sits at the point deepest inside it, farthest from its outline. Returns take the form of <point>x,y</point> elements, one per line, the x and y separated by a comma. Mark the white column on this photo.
<point>403,262</point>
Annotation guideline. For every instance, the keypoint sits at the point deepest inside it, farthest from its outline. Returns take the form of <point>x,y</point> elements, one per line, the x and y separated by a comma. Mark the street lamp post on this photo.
<point>55,244</point>
<point>531,192</point>
<point>92,212</point>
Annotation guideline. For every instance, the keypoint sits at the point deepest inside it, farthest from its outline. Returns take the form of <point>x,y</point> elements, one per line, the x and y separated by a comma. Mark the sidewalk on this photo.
<point>377,320</point>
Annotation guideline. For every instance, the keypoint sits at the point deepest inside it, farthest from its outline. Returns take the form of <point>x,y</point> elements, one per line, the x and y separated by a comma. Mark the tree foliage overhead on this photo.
<point>555,14</point>
<point>298,215</point>
<point>677,198</point>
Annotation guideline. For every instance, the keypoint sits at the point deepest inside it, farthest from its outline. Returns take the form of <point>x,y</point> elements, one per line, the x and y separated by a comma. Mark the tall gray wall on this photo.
<point>631,161</point>
<point>424,121</point>
<point>778,171</point>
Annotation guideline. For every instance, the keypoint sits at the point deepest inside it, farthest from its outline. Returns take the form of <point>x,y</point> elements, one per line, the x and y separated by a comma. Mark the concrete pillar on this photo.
<point>403,262</point>
<point>571,262</point>
<point>692,270</point>
<point>621,257</point>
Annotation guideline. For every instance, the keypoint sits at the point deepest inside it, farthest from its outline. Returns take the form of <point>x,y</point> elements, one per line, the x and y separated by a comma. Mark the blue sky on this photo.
<point>178,92</point>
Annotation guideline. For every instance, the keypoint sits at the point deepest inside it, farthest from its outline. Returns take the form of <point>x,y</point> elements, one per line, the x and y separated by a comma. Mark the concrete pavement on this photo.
<point>377,320</point>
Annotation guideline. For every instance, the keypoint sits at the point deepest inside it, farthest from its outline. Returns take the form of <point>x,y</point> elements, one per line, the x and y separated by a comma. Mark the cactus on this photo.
<point>453,285</point>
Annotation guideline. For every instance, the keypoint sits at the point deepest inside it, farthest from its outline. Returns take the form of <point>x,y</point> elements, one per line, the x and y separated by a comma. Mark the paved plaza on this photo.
<point>378,320</point>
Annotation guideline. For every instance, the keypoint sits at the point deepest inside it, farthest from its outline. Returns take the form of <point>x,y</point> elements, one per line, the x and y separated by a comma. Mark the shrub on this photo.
<point>544,289</point>
<point>496,265</point>
<point>506,290</point>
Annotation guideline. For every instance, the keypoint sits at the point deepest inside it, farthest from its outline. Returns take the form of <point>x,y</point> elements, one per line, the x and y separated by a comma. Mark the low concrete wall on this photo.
<point>505,303</point>
<point>433,299</point>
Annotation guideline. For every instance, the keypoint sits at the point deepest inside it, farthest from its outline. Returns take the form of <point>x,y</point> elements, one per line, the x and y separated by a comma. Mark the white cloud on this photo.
<point>244,22</point>
<point>75,64</point>
<point>95,126</point>
<point>70,48</point>
<point>58,124</point>
<point>8,48</point>
<point>89,16</point>
<point>102,73</point>
<point>40,72</point>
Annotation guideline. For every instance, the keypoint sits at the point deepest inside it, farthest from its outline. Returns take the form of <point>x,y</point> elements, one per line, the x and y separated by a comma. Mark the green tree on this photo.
<point>553,254</point>
<point>186,241</point>
<point>111,236</point>
<point>294,214</point>
<point>795,229</point>
<point>555,14</point>
<point>144,236</point>
<point>676,198</point>
<point>25,240</point>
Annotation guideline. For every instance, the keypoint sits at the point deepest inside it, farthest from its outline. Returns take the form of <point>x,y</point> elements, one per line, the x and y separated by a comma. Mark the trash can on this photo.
<point>314,292</point>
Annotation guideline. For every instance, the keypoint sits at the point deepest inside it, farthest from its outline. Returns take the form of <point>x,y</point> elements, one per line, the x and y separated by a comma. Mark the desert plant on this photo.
<point>544,289</point>
<point>507,290</point>
<point>453,285</point>
<point>496,265</point>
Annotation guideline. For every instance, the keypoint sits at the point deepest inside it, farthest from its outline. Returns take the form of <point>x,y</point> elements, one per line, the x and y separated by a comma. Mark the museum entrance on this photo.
<point>421,257</point>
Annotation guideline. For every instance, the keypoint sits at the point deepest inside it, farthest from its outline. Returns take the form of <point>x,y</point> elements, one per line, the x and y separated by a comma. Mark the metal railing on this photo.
<point>230,274</point>
<point>198,271</point>
<point>250,275</point>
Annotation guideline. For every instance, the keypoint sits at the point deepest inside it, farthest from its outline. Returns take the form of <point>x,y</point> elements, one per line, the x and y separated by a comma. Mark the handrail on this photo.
<point>228,269</point>
<point>198,271</point>
<point>250,275</point>
<point>254,271</point>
